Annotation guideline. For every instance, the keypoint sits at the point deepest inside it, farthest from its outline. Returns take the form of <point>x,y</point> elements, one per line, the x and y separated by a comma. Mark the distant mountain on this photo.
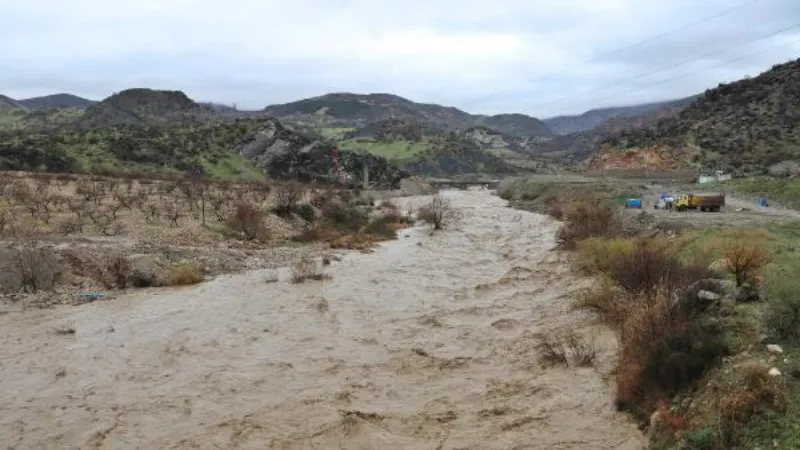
<point>563,125</point>
<point>516,125</point>
<point>9,103</point>
<point>358,110</point>
<point>746,125</point>
<point>57,101</point>
<point>145,107</point>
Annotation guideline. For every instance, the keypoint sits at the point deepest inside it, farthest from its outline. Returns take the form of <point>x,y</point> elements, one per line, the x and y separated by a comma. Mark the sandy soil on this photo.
<point>427,343</point>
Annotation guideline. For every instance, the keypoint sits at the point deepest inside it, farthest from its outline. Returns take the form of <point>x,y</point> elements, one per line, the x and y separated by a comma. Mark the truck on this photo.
<point>703,202</point>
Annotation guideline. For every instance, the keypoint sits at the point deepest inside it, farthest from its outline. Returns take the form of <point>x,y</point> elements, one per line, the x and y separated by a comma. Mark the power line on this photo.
<point>635,45</point>
<point>670,66</point>
<point>695,72</point>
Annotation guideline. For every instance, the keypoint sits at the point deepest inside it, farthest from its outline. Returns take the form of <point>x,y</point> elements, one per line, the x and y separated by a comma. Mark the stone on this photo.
<point>774,372</point>
<point>774,349</point>
<point>708,295</point>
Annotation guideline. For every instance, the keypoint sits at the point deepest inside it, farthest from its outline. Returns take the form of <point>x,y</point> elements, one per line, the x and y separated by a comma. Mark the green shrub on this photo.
<point>782,288</point>
<point>307,212</point>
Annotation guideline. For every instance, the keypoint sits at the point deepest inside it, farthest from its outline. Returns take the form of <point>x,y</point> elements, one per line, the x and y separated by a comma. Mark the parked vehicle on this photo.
<point>703,202</point>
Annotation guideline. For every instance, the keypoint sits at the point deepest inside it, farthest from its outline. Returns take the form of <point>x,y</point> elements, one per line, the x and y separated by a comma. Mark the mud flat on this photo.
<point>427,343</point>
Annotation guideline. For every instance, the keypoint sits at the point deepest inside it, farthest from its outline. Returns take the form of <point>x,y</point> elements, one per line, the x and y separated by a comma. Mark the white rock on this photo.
<point>773,348</point>
<point>774,372</point>
<point>708,295</point>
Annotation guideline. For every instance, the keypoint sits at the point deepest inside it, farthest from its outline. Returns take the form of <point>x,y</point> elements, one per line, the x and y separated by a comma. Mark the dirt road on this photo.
<point>428,343</point>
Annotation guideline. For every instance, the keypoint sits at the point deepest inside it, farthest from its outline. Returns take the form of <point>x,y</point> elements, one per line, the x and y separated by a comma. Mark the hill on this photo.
<point>744,126</point>
<point>57,101</point>
<point>348,110</point>
<point>516,125</point>
<point>145,107</point>
<point>574,147</point>
<point>9,103</point>
<point>563,125</point>
<point>226,149</point>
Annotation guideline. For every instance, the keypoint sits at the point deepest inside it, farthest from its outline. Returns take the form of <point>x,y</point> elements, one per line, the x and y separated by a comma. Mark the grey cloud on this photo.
<point>499,56</point>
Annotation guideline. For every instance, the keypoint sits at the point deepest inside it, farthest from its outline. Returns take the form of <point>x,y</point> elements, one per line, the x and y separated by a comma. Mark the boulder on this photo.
<point>146,270</point>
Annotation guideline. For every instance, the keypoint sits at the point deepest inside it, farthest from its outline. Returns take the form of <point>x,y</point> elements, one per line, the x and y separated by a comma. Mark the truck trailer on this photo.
<point>703,202</point>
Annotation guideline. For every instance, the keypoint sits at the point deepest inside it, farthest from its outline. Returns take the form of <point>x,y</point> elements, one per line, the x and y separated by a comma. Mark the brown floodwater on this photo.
<point>427,343</point>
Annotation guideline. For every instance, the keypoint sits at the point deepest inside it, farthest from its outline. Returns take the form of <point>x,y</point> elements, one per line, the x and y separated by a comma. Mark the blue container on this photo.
<point>763,201</point>
<point>633,203</point>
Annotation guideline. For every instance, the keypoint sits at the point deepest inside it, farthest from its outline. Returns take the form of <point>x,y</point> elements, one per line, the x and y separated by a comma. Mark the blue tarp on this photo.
<point>633,203</point>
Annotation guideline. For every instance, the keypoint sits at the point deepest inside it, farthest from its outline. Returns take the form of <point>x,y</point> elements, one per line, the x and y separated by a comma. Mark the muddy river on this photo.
<point>427,343</point>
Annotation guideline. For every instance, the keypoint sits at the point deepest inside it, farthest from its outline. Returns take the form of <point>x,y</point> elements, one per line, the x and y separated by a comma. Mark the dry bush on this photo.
<point>744,260</point>
<point>151,212</point>
<point>172,211</point>
<point>663,349</point>
<point>638,264</point>
<point>306,268</point>
<point>555,349</point>
<point>184,274</point>
<point>554,208</point>
<point>383,227</point>
<point>343,216</point>
<point>105,221</point>
<point>551,351</point>
<point>584,353</point>
<point>71,225</point>
<point>584,220</point>
<point>247,220</point>
<point>438,213</point>
<point>288,195</point>
<point>119,270</point>
<point>29,267</point>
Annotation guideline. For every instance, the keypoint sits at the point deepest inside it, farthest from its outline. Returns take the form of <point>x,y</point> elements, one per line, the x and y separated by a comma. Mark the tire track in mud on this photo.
<point>427,343</point>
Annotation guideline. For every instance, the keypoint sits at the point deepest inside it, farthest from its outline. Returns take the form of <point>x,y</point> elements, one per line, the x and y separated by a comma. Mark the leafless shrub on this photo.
<point>248,221</point>
<point>19,192</point>
<point>438,213</point>
<point>556,348</point>
<point>584,353</point>
<point>105,221</point>
<point>151,212</point>
<point>219,202</point>
<point>28,267</point>
<point>289,195</point>
<point>551,351</point>
<point>119,270</point>
<point>127,201</point>
<point>71,225</point>
<point>173,213</point>
<point>306,268</point>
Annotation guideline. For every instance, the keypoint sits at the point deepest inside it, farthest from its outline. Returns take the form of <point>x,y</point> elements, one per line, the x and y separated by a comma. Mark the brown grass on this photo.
<point>584,220</point>
<point>184,274</point>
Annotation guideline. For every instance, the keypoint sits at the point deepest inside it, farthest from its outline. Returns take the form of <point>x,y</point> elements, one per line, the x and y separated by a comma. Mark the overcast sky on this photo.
<point>484,56</point>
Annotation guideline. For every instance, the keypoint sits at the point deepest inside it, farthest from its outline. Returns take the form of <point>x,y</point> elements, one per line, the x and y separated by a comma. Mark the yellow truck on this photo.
<point>703,202</point>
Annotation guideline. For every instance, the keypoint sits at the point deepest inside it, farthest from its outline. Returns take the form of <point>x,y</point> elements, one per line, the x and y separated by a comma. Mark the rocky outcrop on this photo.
<point>284,154</point>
